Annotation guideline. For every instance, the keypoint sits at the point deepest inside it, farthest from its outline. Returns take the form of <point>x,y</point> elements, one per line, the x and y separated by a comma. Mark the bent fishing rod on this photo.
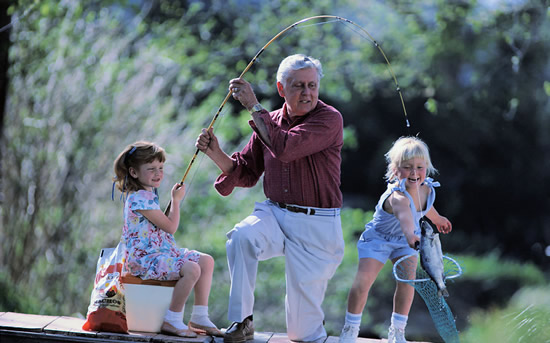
<point>254,59</point>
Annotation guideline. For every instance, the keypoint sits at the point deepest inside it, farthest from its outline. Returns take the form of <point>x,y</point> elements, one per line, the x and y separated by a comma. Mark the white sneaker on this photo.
<point>396,335</point>
<point>349,334</point>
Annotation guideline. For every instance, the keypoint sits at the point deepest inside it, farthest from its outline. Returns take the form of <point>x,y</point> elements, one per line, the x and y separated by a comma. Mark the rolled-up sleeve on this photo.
<point>249,167</point>
<point>302,164</point>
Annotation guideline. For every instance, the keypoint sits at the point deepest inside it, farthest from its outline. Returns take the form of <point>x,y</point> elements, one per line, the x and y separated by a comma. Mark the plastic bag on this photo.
<point>107,310</point>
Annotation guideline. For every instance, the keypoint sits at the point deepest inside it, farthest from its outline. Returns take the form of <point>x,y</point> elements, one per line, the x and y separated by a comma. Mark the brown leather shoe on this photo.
<point>240,332</point>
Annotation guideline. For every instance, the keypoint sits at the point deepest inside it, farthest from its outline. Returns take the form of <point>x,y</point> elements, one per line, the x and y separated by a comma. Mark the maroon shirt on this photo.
<point>303,165</point>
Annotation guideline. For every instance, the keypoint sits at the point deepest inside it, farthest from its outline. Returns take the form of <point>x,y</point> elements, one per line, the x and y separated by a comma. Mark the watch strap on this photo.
<point>256,108</point>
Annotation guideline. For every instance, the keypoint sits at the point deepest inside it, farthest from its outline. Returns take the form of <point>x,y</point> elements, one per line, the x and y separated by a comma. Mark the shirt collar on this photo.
<point>284,113</point>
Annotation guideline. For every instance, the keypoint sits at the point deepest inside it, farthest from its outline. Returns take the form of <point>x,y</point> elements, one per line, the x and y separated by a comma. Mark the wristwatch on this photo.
<point>256,108</point>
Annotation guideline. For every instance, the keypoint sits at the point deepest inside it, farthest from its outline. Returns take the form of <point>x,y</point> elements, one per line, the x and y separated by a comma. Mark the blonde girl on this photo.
<point>394,232</point>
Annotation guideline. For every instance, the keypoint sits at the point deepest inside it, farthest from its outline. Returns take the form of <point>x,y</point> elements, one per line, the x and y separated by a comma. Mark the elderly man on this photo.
<point>297,148</point>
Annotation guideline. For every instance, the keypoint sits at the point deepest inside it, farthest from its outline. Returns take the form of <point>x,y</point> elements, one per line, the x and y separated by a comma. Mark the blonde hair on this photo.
<point>133,156</point>
<point>406,148</point>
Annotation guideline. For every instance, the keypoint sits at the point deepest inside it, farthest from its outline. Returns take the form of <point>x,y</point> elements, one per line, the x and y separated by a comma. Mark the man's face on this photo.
<point>301,91</point>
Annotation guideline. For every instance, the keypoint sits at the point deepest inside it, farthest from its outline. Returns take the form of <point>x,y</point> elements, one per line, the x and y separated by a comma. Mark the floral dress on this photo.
<point>151,253</point>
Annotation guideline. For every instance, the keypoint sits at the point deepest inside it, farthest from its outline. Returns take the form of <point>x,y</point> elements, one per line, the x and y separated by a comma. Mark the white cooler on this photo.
<point>146,302</point>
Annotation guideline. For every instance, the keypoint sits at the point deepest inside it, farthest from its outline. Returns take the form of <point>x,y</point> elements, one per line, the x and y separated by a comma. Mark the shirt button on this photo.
<point>286,190</point>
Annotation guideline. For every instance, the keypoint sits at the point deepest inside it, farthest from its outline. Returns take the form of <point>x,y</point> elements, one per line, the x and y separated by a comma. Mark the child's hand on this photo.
<point>443,224</point>
<point>178,192</point>
<point>413,240</point>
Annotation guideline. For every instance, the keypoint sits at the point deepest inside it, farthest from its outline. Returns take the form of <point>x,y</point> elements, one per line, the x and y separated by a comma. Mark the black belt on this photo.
<point>296,209</point>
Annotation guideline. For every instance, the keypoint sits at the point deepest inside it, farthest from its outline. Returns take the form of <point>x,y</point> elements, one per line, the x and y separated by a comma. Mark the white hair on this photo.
<point>297,62</point>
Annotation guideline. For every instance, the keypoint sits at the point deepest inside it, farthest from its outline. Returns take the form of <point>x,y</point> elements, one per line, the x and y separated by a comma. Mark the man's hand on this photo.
<point>207,141</point>
<point>242,91</point>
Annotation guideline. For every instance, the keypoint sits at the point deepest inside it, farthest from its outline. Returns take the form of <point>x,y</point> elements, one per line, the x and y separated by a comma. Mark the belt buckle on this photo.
<point>307,211</point>
<point>296,209</point>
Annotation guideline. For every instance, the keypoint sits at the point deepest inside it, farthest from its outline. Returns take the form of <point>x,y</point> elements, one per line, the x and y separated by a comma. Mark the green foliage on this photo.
<point>547,87</point>
<point>525,319</point>
<point>88,78</point>
<point>492,267</point>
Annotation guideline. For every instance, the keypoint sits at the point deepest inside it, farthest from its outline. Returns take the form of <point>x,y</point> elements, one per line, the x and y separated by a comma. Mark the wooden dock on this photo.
<point>31,328</point>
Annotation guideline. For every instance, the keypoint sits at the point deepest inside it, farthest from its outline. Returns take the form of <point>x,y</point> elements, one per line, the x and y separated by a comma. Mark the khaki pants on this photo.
<point>313,247</point>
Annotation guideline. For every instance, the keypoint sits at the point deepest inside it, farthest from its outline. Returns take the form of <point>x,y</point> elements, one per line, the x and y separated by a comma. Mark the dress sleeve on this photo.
<point>143,200</point>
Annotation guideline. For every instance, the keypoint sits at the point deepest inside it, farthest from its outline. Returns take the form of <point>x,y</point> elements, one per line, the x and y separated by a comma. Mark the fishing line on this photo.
<point>17,19</point>
<point>188,190</point>
<point>190,183</point>
<point>407,270</point>
<point>348,23</point>
<point>365,35</point>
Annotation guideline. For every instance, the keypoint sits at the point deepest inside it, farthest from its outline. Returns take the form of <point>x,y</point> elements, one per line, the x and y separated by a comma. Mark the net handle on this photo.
<point>458,273</point>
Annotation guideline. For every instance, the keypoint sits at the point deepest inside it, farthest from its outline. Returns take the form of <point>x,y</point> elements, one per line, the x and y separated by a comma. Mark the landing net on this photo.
<point>407,270</point>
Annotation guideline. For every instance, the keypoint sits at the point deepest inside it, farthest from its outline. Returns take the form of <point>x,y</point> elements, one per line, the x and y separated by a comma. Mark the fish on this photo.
<point>431,257</point>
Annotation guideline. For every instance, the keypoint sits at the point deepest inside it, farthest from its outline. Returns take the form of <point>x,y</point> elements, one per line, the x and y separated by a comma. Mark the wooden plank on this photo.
<point>259,337</point>
<point>373,340</point>
<point>262,337</point>
<point>136,336</point>
<point>142,335</point>
<point>25,322</point>
<point>283,338</point>
<point>17,327</point>
<point>69,326</point>
<point>333,339</point>
<point>131,337</point>
<point>279,338</point>
<point>12,336</point>
<point>176,339</point>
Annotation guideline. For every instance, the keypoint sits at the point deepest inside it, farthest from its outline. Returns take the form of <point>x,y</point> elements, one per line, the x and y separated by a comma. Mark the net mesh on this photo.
<point>409,271</point>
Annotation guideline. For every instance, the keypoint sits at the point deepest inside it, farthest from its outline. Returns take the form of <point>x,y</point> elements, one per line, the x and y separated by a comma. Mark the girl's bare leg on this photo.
<point>404,293</point>
<point>190,272</point>
<point>202,287</point>
<point>367,271</point>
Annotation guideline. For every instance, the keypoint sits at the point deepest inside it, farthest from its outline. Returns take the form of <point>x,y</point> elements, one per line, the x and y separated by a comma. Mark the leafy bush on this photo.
<point>87,78</point>
<point>525,319</point>
<point>494,267</point>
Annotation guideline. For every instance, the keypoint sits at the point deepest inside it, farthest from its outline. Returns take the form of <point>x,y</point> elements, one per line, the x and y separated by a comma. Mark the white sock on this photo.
<point>398,321</point>
<point>175,319</point>
<point>353,319</point>
<point>200,316</point>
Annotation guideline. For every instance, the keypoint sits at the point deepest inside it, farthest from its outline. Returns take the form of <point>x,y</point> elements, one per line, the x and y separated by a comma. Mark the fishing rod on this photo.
<point>337,18</point>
